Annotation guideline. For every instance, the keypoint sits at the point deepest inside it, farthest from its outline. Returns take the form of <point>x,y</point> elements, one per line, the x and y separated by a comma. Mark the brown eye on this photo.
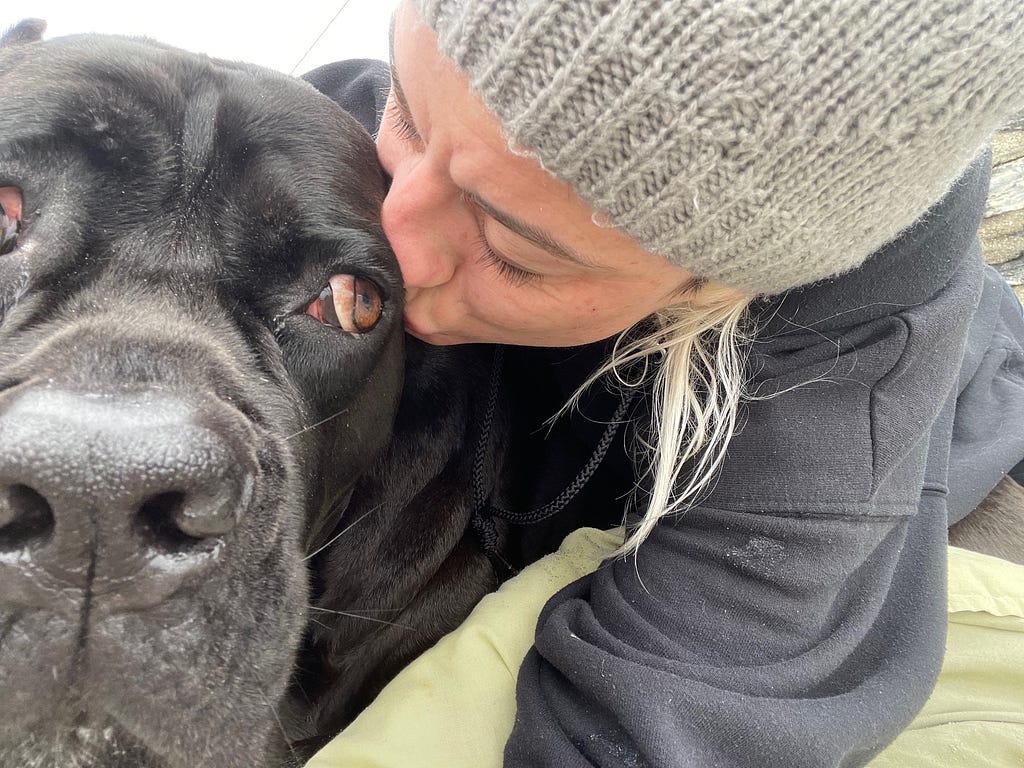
<point>348,302</point>
<point>10,218</point>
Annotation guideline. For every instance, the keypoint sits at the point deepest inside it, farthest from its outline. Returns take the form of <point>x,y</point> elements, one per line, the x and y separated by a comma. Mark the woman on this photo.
<point>775,204</point>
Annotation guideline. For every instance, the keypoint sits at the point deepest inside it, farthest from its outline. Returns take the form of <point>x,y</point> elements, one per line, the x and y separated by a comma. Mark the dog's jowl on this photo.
<point>201,359</point>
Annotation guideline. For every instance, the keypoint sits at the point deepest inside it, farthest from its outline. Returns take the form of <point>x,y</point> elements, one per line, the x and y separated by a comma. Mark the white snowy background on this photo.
<point>293,36</point>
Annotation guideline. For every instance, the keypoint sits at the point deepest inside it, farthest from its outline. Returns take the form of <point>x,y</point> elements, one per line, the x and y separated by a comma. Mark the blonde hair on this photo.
<point>697,390</point>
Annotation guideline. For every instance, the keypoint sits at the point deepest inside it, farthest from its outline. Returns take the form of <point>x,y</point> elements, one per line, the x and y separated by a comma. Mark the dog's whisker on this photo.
<point>341,533</point>
<point>362,610</point>
<point>273,710</point>
<point>364,618</point>
<point>319,423</point>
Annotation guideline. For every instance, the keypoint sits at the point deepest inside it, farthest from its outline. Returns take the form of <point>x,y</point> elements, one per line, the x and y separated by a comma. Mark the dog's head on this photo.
<point>196,301</point>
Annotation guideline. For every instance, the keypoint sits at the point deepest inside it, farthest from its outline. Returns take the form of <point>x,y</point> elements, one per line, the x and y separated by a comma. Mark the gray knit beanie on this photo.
<point>761,143</point>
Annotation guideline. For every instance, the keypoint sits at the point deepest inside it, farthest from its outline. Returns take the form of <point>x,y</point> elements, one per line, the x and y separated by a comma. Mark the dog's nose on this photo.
<point>126,496</point>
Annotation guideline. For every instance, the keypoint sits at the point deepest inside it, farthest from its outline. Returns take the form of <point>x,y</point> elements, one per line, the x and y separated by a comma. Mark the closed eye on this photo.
<point>401,125</point>
<point>514,275</point>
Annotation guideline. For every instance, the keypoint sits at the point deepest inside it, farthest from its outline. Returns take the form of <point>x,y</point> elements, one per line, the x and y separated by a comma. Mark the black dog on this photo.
<point>217,539</point>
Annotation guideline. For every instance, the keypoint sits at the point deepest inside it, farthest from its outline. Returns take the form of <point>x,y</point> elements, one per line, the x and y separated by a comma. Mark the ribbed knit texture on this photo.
<point>763,144</point>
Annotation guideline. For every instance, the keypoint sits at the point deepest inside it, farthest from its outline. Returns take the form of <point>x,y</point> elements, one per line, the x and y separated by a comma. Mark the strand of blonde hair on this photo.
<point>696,392</point>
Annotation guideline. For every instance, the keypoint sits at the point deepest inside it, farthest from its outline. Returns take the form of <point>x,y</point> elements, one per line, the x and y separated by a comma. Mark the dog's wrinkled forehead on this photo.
<point>183,133</point>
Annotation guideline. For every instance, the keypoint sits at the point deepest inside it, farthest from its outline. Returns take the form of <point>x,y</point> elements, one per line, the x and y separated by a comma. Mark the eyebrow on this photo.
<point>514,224</point>
<point>532,233</point>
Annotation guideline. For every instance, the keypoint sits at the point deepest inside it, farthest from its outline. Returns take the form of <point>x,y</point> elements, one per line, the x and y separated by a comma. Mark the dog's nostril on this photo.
<point>156,522</point>
<point>175,521</point>
<point>25,515</point>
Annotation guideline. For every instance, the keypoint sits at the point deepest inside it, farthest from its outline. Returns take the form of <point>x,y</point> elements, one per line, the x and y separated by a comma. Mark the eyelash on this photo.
<point>404,130</point>
<point>513,275</point>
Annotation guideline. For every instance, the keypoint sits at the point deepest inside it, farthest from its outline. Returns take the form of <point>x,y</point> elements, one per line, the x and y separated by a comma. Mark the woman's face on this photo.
<point>493,248</point>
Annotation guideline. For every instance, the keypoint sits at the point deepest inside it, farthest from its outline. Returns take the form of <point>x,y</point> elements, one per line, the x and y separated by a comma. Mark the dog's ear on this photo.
<point>25,31</point>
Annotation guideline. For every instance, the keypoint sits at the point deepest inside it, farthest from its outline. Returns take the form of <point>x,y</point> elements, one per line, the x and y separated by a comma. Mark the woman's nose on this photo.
<point>419,218</point>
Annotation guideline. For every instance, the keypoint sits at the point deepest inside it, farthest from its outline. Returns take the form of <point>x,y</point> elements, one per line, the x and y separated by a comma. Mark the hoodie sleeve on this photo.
<point>988,430</point>
<point>796,617</point>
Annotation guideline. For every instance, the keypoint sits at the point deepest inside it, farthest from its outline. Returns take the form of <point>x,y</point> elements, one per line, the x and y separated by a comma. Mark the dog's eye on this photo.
<point>348,302</point>
<point>10,218</point>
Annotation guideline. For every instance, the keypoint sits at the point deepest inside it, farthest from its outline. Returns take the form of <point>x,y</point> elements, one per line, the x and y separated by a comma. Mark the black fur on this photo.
<point>180,213</point>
